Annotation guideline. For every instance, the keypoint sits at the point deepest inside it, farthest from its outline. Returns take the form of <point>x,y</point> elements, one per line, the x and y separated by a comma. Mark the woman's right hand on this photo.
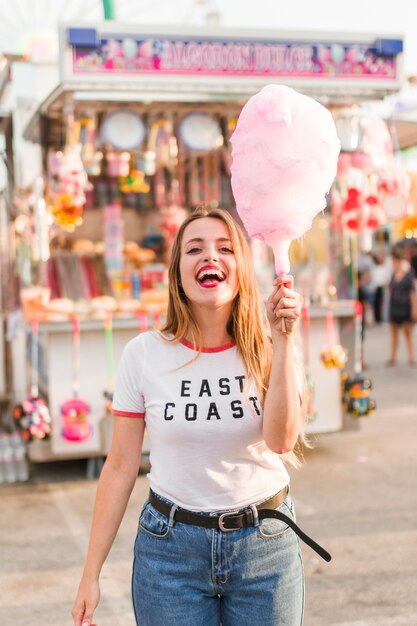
<point>88,597</point>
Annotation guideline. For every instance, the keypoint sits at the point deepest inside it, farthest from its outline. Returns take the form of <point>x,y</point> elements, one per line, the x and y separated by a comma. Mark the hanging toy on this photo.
<point>134,183</point>
<point>32,415</point>
<point>356,395</point>
<point>75,411</point>
<point>66,191</point>
<point>356,389</point>
<point>333,354</point>
<point>162,143</point>
<point>91,158</point>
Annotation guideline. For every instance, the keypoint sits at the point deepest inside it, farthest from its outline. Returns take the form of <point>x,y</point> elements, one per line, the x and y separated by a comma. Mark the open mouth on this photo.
<point>210,276</point>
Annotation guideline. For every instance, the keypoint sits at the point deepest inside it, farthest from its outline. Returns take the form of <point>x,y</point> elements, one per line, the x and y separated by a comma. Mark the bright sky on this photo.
<point>18,17</point>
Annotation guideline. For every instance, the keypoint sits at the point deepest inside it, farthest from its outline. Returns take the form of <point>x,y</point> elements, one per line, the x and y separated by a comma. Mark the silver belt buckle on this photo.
<point>221,521</point>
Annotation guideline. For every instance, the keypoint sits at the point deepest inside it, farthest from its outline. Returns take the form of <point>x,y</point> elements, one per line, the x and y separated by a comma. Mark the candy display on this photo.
<point>285,151</point>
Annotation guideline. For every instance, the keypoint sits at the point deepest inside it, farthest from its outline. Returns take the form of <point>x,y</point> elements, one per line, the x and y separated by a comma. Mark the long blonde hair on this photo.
<point>247,323</point>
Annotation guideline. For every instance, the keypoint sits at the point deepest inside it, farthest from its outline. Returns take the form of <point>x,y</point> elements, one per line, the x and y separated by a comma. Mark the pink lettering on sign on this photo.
<point>233,58</point>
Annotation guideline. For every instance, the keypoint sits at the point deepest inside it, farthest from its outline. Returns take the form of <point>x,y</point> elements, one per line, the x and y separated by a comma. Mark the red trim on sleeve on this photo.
<point>127,414</point>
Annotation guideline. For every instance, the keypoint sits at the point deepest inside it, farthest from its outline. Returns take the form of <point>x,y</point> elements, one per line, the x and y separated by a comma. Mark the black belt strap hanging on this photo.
<point>267,513</point>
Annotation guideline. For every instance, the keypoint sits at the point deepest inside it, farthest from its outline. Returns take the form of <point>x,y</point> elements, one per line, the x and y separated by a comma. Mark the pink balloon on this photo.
<point>285,149</point>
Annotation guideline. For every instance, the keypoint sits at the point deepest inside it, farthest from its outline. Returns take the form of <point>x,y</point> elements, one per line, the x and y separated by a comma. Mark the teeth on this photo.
<point>216,273</point>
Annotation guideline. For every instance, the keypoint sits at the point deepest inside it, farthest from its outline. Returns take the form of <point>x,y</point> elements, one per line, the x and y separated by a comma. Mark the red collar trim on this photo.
<point>226,346</point>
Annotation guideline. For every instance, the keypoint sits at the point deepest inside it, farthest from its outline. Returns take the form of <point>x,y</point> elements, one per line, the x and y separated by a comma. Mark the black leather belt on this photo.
<point>233,520</point>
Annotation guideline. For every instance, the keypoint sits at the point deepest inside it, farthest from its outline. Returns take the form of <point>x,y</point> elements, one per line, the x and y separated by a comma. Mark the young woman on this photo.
<point>402,306</point>
<point>221,400</point>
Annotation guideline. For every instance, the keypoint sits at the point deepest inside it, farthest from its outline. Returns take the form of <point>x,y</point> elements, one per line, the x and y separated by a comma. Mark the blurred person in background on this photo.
<point>402,305</point>
<point>380,280</point>
<point>366,267</point>
<point>363,281</point>
<point>413,256</point>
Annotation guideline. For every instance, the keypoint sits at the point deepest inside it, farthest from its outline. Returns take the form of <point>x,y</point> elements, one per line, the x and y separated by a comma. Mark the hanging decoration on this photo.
<point>356,388</point>
<point>366,141</point>
<point>200,132</point>
<point>162,145</point>
<point>90,156</point>
<point>393,189</point>
<point>118,164</point>
<point>123,130</point>
<point>361,211</point>
<point>66,190</point>
<point>162,156</point>
<point>134,182</point>
<point>32,415</point>
<point>333,354</point>
<point>75,412</point>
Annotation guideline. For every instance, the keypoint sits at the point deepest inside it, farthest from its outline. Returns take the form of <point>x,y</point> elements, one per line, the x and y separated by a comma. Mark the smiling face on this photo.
<point>207,264</point>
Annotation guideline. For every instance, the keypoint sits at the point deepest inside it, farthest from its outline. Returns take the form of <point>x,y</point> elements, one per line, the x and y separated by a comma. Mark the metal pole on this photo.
<point>109,10</point>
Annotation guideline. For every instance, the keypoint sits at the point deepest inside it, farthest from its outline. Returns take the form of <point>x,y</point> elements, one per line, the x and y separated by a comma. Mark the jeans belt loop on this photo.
<point>172,512</point>
<point>255,515</point>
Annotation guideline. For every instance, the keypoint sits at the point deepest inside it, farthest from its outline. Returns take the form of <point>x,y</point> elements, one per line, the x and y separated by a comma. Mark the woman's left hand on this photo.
<point>284,304</point>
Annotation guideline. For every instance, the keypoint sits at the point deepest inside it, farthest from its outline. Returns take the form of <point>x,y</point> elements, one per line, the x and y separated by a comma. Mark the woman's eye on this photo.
<point>226,249</point>
<point>193,250</point>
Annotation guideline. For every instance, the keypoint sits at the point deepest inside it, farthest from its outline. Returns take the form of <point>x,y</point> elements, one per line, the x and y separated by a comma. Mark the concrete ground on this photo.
<point>356,494</point>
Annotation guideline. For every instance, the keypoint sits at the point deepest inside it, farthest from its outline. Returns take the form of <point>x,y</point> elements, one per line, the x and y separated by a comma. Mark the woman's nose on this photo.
<point>211,255</point>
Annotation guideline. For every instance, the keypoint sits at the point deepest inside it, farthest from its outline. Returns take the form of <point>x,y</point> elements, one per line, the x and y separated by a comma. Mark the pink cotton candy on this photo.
<point>285,150</point>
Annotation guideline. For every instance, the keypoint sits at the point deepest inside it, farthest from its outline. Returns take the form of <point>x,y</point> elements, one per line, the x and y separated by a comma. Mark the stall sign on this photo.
<point>93,53</point>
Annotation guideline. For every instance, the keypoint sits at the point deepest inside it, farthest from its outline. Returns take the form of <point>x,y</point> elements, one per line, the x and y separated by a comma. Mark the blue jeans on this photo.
<point>193,576</point>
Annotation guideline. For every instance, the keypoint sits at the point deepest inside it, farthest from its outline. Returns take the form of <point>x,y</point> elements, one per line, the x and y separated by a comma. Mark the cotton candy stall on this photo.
<point>285,150</point>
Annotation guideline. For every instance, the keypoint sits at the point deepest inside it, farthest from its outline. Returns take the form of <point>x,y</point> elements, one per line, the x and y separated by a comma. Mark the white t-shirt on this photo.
<point>207,451</point>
